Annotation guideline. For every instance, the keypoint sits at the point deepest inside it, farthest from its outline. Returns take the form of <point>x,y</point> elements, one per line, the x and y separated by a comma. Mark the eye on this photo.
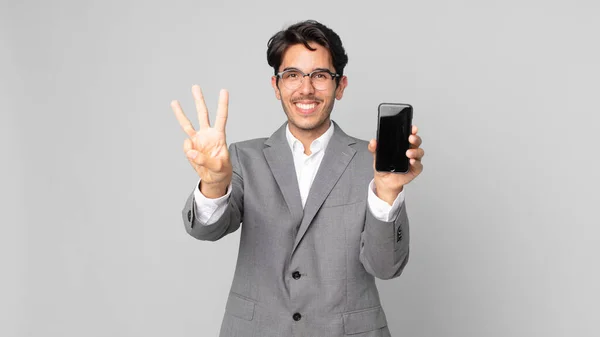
<point>321,75</point>
<point>292,75</point>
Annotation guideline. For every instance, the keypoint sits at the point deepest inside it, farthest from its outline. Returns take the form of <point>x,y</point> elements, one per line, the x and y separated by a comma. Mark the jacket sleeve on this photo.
<point>384,246</point>
<point>231,219</point>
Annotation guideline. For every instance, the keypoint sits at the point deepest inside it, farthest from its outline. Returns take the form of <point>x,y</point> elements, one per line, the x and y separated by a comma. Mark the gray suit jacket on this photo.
<point>305,272</point>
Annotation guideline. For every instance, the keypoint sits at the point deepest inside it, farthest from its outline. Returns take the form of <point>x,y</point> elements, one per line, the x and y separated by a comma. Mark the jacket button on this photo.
<point>297,317</point>
<point>189,215</point>
<point>296,275</point>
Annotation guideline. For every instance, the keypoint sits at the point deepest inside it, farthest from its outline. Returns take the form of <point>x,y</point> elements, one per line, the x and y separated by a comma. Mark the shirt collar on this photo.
<point>317,144</point>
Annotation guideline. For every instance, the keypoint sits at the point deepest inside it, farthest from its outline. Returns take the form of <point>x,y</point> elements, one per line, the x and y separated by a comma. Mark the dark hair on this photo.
<point>305,32</point>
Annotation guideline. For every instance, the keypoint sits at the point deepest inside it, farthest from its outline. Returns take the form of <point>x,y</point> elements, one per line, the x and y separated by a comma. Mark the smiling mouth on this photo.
<point>304,106</point>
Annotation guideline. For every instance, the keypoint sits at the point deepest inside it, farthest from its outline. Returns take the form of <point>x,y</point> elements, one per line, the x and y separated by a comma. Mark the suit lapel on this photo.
<point>281,162</point>
<point>337,157</point>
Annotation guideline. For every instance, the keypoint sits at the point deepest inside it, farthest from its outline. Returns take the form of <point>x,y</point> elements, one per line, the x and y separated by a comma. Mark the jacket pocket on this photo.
<point>240,307</point>
<point>364,320</point>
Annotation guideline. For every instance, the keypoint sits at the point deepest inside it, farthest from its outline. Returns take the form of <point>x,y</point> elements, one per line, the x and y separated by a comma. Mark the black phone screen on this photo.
<point>394,127</point>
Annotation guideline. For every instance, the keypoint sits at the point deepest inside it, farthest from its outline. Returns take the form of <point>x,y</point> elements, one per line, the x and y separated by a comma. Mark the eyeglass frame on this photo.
<point>334,76</point>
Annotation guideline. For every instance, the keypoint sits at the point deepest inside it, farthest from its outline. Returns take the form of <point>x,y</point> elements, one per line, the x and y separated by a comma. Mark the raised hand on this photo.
<point>389,185</point>
<point>206,149</point>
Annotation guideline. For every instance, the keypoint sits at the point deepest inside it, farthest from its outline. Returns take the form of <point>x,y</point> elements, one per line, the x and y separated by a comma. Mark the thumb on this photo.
<point>372,146</point>
<point>195,157</point>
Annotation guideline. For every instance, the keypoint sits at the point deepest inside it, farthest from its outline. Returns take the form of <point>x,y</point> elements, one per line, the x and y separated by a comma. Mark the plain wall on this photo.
<point>504,223</point>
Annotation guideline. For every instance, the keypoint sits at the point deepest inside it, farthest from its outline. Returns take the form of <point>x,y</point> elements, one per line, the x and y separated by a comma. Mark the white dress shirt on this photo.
<point>209,210</point>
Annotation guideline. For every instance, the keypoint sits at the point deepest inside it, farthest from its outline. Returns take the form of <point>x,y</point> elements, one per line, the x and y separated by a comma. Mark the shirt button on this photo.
<point>296,275</point>
<point>297,317</point>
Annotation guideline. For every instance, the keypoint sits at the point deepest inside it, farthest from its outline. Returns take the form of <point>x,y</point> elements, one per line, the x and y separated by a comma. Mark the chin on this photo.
<point>309,125</point>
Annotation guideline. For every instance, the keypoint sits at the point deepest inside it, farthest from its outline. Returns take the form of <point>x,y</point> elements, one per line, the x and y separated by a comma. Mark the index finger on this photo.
<point>415,141</point>
<point>222,110</point>
<point>415,129</point>
<point>185,123</point>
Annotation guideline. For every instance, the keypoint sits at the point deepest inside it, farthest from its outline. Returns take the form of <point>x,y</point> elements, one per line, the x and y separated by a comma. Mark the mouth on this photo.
<point>306,108</point>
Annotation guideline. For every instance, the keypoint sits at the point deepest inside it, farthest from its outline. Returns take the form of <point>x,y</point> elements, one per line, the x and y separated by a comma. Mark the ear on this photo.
<point>274,85</point>
<point>339,91</point>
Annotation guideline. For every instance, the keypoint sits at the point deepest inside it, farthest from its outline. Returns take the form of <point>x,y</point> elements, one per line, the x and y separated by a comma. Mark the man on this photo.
<point>318,222</point>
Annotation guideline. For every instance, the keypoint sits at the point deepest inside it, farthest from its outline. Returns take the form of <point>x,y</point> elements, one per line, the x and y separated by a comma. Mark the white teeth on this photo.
<point>306,106</point>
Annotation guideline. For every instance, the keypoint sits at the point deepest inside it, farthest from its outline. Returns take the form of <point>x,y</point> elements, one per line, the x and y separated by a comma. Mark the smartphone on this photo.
<point>394,125</point>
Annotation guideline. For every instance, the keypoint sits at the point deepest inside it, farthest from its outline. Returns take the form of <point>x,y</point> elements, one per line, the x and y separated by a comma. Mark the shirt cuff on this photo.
<point>380,209</point>
<point>207,208</point>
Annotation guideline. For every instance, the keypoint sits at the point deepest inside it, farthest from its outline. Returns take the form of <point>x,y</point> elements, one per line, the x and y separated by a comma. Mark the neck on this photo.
<point>306,137</point>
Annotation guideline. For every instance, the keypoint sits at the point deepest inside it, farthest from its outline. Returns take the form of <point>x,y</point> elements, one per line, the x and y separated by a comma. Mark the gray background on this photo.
<point>504,216</point>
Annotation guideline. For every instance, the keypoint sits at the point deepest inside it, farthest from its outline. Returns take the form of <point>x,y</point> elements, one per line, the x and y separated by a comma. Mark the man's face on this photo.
<point>308,109</point>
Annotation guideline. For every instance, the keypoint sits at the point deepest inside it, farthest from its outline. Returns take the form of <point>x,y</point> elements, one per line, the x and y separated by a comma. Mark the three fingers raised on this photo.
<point>203,119</point>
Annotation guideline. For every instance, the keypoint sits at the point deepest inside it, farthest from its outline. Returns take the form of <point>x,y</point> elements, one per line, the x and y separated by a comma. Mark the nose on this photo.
<point>306,87</point>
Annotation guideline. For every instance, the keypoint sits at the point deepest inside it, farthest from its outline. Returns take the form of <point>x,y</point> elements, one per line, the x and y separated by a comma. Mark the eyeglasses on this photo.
<point>320,78</point>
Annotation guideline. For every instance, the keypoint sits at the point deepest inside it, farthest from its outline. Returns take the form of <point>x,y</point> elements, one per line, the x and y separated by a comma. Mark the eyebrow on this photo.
<point>316,69</point>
